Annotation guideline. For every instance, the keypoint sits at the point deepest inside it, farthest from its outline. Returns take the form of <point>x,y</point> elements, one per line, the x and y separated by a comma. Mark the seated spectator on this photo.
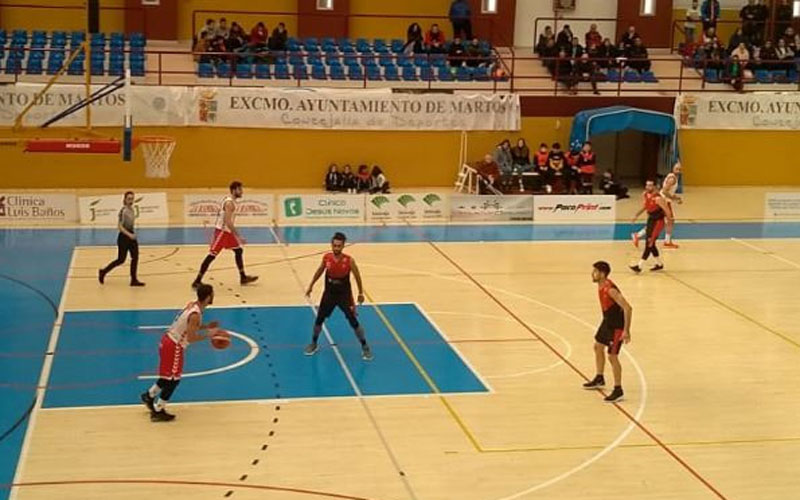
<point>222,29</point>
<point>333,179</point>
<point>638,58</point>
<point>236,38</point>
<point>741,54</point>
<point>564,38</point>
<point>606,53</point>
<point>279,38</point>
<point>505,161</point>
<point>585,70</point>
<point>457,53</point>
<point>521,155</point>
<point>541,166</point>
<point>796,44</point>
<point>737,38</point>
<point>593,36</point>
<point>258,37</point>
<point>710,35</point>
<point>716,59</point>
<point>378,182</point>
<point>414,40</point>
<point>768,56</point>
<point>563,69</point>
<point>629,36</point>
<point>785,56</point>
<point>783,17</point>
<point>549,55</point>
<point>347,181</point>
<point>543,39</point>
<point>363,179</point>
<point>611,186</point>
<point>209,31</point>
<point>789,37</point>
<point>557,163</point>
<point>575,49</point>
<point>735,73</point>
<point>488,173</point>
<point>571,174</point>
<point>475,54</point>
<point>587,165</point>
<point>215,52</point>
<point>201,46</point>
<point>434,40</point>
<point>621,53</point>
<point>498,71</point>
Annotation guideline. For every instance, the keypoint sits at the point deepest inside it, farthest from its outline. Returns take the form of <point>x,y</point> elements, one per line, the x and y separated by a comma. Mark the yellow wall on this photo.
<point>392,27</point>
<point>187,7</point>
<point>739,158</point>
<point>59,19</point>
<point>207,157</point>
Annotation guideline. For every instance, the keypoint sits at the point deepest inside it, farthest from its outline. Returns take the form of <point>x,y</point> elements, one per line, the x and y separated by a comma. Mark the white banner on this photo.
<point>751,111</point>
<point>777,205</point>
<point>251,209</point>
<point>574,208</point>
<point>491,208</point>
<point>152,105</point>
<point>104,210</point>
<point>43,207</point>
<point>343,109</point>
<point>423,206</point>
<point>321,207</point>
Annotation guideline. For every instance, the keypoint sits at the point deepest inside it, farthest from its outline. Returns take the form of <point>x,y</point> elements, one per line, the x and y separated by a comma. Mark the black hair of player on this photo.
<point>603,267</point>
<point>339,237</point>
<point>127,193</point>
<point>235,185</point>
<point>204,291</point>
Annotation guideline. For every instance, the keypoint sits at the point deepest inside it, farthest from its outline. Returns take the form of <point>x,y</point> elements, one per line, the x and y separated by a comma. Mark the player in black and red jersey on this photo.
<point>613,332</point>
<point>657,211</point>
<point>337,267</point>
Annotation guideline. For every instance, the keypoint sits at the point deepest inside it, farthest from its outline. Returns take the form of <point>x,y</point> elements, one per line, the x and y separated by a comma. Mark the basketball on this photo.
<point>220,339</point>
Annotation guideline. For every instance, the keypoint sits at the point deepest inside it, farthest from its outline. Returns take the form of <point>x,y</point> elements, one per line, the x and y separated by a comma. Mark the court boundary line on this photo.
<point>764,251</point>
<point>44,377</point>
<point>211,309</point>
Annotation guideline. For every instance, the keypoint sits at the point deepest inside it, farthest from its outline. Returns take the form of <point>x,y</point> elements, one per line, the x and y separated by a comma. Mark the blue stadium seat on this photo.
<point>244,70</point>
<point>311,44</point>
<point>386,59</point>
<point>711,75</point>
<point>354,72</point>
<point>390,73</point>
<point>282,71</point>
<point>223,70</point>
<point>444,74</point>
<point>75,67</point>
<point>3,37</point>
<point>379,45</point>
<point>292,45</point>
<point>464,74</point>
<point>410,73</point>
<point>374,73</point>
<point>613,75</point>
<point>296,59</point>
<point>337,72</point>
<point>98,68</point>
<point>331,58</point>
<point>55,62</point>
<point>300,71</point>
<point>481,74</point>
<point>98,40</point>
<point>368,60</point>
<point>58,40</point>
<point>438,60</point>
<point>314,59</point>
<point>421,60</point>
<point>318,72</point>
<point>404,60</point>
<point>426,74</point>
<point>34,67</point>
<point>780,76</point>
<point>397,45</point>
<point>649,77</point>
<point>632,76</point>
<point>117,68</point>
<point>262,71</point>
<point>793,75</point>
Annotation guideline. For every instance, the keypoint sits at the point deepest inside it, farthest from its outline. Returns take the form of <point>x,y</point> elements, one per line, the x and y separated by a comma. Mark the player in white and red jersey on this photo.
<point>226,236</point>
<point>185,330</point>
<point>669,193</point>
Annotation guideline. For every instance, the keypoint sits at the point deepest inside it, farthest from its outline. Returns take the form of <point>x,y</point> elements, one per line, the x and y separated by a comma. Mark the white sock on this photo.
<point>642,232</point>
<point>161,405</point>
<point>658,261</point>
<point>153,390</point>
<point>668,238</point>
<point>641,263</point>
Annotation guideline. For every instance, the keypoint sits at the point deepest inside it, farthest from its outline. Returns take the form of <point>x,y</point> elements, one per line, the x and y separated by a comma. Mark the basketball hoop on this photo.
<point>157,152</point>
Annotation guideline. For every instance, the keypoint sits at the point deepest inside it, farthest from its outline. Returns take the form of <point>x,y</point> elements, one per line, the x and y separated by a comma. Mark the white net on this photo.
<point>157,152</point>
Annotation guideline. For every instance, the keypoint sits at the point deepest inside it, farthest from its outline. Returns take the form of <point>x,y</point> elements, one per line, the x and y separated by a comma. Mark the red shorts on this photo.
<point>222,240</point>
<point>170,355</point>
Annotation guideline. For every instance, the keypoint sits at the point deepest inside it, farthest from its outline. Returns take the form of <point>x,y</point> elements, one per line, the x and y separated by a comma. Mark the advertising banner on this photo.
<point>732,111</point>
<point>104,210</point>
<point>779,205</point>
<point>321,207</point>
<point>574,208</point>
<point>40,207</point>
<point>415,207</point>
<point>252,209</point>
<point>491,208</point>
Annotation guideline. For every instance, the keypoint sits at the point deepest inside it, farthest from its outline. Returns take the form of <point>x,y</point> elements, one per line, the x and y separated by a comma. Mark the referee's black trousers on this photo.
<point>124,246</point>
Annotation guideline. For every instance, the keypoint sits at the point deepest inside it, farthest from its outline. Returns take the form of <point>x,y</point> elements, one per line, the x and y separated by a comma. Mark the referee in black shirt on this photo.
<point>126,242</point>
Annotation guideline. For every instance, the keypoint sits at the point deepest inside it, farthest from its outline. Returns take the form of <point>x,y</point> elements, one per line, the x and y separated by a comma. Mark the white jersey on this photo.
<point>179,330</point>
<point>667,189</point>
<point>220,224</point>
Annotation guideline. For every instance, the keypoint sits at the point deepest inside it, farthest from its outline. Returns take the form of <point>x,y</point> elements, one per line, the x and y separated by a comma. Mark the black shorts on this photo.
<point>610,336</point>
<point>331,301</point>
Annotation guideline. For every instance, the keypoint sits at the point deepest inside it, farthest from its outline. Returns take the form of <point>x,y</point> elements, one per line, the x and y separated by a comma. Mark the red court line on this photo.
<point>78,482</point>
<point>567,362</point>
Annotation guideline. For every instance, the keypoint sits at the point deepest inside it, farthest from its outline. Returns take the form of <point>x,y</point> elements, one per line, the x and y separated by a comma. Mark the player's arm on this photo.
<point>193,328</point>
<point>317,274</point>
<point>638,213</point>
<point>663,204</point>
<point>209,326</point>
<point>228,218</point>
<point>627,311</point>
<point>357,275</point>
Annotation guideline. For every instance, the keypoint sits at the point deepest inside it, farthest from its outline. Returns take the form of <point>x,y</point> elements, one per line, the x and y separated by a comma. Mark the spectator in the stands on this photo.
<point>593,36</point>
<point>541,166</point>
<point>585,70</point>
<point>742,54</point>
<point>587,165</point>
<point>789,36</point>
<point>735,73</point>
<point>690,25</point>
<point>363,179</point>
<point>785,56</point>
<point>621,52</point>
<point>201,46</point>
<point>209,31</point>
<point>575,49</point>
<point>710,35</point>
<point>280,38</point>
<point>606,54</point>
<point>571,172</point>
<point>457,53</point>
<point>503,157</point>
<point>434,40</point>
<point>489,173</point>
<point>259,36</point>
<point>611,186</point>
<point>475,54</point>
<point>563,71</point>
<point>557,163</point>
<point>749,17</point>
<point>629,36</point>
<point>498,72</point>
<point>715,56</point>
<point>333,179</point>
<point>378,182</point>
<point>795,45</point>
<point>222,28</point>
<point>783,17</point>
<point>564,38</point>
<point>236,38</point>
<point>543,39</point>
<point>521,155</point>
<point>347,181</point>
<point>216,52</point>
<point>549,55</point>
<point>638,57</point>
<point>461,18</point>
<point>768,56</point>
<point>737,38</point>
<point>761,23</point>
<point>710,11</point>
<point>415,40</point>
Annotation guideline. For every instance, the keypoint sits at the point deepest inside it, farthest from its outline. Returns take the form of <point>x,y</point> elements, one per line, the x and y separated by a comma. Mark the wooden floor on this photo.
<point>710,379</point>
